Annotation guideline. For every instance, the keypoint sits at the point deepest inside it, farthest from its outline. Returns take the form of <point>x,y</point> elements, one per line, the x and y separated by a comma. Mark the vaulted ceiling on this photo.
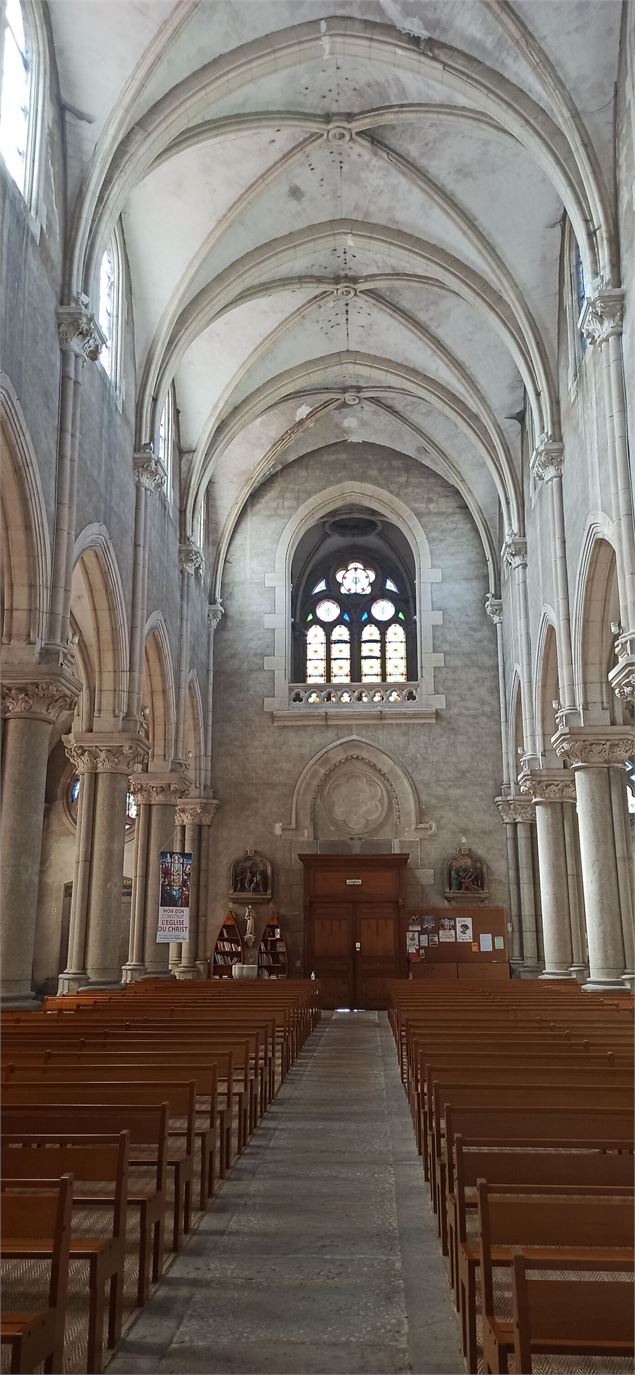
<point>343,220</point>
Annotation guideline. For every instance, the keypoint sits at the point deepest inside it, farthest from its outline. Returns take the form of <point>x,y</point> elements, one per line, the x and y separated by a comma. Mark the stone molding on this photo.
<point>547,460</point>
<point>93,753</point>
<point>548,785</point>
<point>514,809</point>
<point>79,333</point>
<point>39,699</point>
<point>191,558</point>
<point>494,608</point>
<point>602,315</point>
<point>164,790</point>
<point>149,472</point>
<point>514,550</point>
<point>215,613</point>
<point>602,746</point>
<point>196,811</point>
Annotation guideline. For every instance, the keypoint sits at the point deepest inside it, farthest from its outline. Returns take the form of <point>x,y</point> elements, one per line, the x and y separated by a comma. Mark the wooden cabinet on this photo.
<point>352,907</point>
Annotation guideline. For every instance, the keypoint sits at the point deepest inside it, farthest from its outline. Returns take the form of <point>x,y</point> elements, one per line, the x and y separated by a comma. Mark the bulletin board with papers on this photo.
<point>471,935</point>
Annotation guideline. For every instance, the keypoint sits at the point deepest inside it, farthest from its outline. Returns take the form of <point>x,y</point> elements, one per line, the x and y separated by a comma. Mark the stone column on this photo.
<point>157,796</point>
<point>514,552</point>
<point>96,904</point>
<point>150,476</point>
<point>525,817</point>
<point>30,706</point>
<point>174,949</point>
<point>546,466</point>
<point>494,609</point>
<point>190,562</point>
<point>591,752</point>
<point>506,809</point>
<point>601,321</point>
<point>551,790</point>
<point>195,814</point>
<point>579,964</point>
<point>621,831</point>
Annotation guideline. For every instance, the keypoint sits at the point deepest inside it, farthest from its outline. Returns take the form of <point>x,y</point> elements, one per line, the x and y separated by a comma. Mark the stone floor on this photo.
<point>319,1253</point>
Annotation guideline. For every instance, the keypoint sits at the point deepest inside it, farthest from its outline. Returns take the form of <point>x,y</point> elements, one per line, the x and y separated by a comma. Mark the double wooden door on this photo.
<point>352,908</point>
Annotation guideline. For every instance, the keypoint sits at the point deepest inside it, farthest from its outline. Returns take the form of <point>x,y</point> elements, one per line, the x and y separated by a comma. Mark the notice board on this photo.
<point>466,934</point>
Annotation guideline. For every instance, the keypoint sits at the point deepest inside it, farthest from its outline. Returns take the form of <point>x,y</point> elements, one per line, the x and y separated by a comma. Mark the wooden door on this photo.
<point>331,956</point>
<point>377,959</point>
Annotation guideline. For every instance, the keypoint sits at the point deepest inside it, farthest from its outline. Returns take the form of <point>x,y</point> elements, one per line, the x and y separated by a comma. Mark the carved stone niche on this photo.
<point>466,877</point>
<point>354,802</point>
<point>251,878</point>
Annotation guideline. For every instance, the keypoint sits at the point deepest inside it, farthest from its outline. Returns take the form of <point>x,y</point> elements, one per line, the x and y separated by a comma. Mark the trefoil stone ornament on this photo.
<point>466,876</point>
<point>251,878</point>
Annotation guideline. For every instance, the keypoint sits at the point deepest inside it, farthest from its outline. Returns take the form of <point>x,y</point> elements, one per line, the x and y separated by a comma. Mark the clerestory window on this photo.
<point>20,106</point>
<point>356,625</point>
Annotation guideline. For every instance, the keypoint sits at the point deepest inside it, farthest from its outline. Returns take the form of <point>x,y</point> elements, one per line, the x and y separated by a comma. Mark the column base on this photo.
<point>71,981</point>
<point>186,971</point>
<point>628,979</point>
<point>557,973</point>
<point>131,972</point>
<point>158,974</point>
<point>529,971</point>
<point>20,1002</point>
<point>603,986</point>
<point>202,966</point>
<point>91,984</point>
<point>579,972</point>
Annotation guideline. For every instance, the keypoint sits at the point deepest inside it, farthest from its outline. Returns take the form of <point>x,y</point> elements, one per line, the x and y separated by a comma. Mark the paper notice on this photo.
<point>485,941</point>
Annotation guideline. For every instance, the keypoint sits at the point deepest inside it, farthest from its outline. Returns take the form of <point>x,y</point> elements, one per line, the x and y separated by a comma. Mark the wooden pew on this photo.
<point>44,1215</point>
<point>147,1128</point>
<point>97,1159</point>
<point>569,1317</point>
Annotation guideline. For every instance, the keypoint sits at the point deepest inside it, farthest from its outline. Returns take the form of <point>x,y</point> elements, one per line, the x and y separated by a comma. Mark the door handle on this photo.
<point>358,947</point>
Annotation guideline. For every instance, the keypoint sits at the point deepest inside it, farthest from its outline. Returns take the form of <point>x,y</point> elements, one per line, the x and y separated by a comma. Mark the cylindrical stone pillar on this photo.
<point>135,968</point>
<point>621,831</point>
<point>552,860</point>
<point>103,934</point>
<point>579,966</point>
<point>28,710</point>
<point>196,815</point>
<point>160,793</point>
<point>527,899</point>
<point>186,968</point>
<point>174,956</point>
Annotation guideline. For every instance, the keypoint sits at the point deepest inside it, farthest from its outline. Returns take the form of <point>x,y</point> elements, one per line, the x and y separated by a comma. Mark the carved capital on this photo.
<point>162,790</point>
<point>602,315</point>
<point>494,608</point>
<point>149,471</point>
<point>547,460</point>
<point>602,746</point>
<point>513,809</point>
<point>548,785</point>
<point>215,613</point>
<point>79,333</point>
<point>92,753</point>
<point>191,558</point>
<point>514,550</point>
<point>196,811</point>
<point>622,677</point>
<point>46,698</point>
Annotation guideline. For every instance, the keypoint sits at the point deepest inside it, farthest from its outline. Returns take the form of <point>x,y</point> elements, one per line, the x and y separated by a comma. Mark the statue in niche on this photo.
<point>251,878</point>
<point>466,876</point>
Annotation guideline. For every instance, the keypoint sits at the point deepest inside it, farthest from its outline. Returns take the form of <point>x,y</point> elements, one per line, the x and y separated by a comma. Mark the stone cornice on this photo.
<point>602,315</point>
<point>164,790</point>
<point>40,697</point>
<point>149,471</point>
<point>79,333</point>
<point>515,808</point>
<point>547,460</point>
<point>548,785</point>
<point>191,558</point>
<point>196,811</point>
<point>494,608</point>
<point>595,745</point>
<point>215,613</point>
<point>514,550</point>
<point>104,753</point>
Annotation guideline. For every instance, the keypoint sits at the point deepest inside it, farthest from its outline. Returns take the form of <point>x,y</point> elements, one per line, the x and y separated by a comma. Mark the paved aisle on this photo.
<point>319,1254</point>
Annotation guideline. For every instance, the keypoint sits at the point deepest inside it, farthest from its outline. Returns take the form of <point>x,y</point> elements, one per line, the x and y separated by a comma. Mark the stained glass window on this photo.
<point>15,99</point>
<point>107,307</point>
<point>355,578</point>
<point>390,585</point>
<point>327,610</point>
<point>354,632</point>
<point>371,654</point>
<point>316,655</point>
<point>383,610</point>
<point>341,655</point>
<point>396,653</point>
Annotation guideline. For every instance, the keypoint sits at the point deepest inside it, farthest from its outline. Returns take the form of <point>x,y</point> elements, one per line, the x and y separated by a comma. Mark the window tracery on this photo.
<point>352,630</point>
<point>20,106</point>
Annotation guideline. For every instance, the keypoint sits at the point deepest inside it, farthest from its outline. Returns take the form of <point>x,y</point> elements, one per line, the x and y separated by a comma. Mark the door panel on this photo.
<point>332,936</point>
<point>378,957</point>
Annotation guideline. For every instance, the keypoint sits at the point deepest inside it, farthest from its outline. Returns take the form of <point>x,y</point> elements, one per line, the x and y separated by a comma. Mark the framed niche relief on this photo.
<point>251,878</point>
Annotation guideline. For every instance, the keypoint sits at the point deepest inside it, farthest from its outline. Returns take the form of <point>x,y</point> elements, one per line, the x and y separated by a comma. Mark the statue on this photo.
<point>466,876</point>
<point>250,927</point>
<point>251,878</point>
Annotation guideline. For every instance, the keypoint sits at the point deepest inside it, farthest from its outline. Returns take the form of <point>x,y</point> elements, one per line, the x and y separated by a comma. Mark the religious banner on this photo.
<point>174,903</point>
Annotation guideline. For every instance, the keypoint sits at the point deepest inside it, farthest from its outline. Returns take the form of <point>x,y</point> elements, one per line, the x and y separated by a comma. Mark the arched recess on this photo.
<point>546,690</point>
<point>158,692</point>
<point>24,535</point>
<point>98,615</point>
<point>596,610</point>
<point>516,725</point>
<point>355,750</point>
<point>194,733</point>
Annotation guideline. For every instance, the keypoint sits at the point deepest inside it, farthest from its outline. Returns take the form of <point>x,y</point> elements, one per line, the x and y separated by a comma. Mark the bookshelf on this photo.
<point>272,953</point>
<point>228,949</point>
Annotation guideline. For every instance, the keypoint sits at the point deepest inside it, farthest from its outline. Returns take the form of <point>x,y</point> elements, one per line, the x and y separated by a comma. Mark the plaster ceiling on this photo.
<point>355,195</point>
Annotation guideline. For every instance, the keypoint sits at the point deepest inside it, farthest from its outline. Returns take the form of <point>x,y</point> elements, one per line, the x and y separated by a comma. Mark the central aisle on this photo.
<point>319,1254</point>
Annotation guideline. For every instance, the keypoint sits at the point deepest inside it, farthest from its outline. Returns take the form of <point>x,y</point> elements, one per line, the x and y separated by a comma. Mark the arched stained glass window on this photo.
<point>341,654</point>
<point>396,657</point>
<point>16,93</point>
<point>371,654</point>
<point>165,437</point>
<point>316,655</point>
<point>107,307</point>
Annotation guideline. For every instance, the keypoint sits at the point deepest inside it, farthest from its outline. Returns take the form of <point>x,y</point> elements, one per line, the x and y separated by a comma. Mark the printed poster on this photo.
<point>423,938</point>
<point>447,929</point>
<point>485,941</point>
<point>463,928</point>
<point>429,923</point>
<point>174,902</point>
<point>499,943</point>
<point>412,941</point>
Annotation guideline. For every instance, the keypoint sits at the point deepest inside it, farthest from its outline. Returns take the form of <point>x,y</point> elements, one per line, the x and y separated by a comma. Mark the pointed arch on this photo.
<point>159,691</point>
<point>354,747</point>
<point>595,609</point>
<point>98,610</point>
<point>24,532</point>
<point>194,732</point>
<point>546,690</point>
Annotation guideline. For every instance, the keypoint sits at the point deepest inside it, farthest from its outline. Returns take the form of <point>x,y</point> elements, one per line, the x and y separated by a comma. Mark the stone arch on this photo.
<point>546,690</point>
<point>98,614</point>
<point>355,752</point>
<point>24,534</point>
<point>158,691</point>
<point>516,724</point>
<point>194,732</point>
<point>596,608</point>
